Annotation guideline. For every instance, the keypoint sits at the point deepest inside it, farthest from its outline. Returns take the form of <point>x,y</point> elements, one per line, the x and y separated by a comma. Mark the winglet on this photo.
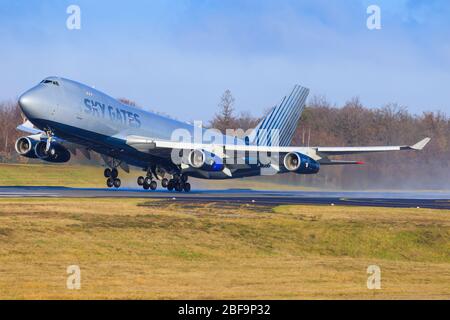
<point>421,144</point>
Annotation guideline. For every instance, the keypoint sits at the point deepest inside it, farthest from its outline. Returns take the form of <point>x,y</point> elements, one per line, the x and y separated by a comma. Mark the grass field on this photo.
<point>91,176</point>
<point>51,175</point>
<point>164,249</point>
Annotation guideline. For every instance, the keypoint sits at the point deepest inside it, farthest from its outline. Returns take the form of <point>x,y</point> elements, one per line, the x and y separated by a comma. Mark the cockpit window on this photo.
<point>50,82</point>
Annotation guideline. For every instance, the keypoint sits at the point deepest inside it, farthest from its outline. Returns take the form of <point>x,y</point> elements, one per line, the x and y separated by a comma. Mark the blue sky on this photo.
<point>178,56</point>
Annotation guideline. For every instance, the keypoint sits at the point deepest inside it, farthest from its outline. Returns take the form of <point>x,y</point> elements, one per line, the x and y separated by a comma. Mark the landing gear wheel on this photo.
<point>153,185</point>
<point>117,183</point>
<point>114,173</point>
<point>184,178</point>
<point>164,183</point>
<point>170,185</point>
<point>147,180</point>
<point>52,152</point>
<point>146,186</point>
<point>187,187</point>
<point>178,187</point>
<point>140,181</point>
<point>110,182</point>
<point>107,173</point>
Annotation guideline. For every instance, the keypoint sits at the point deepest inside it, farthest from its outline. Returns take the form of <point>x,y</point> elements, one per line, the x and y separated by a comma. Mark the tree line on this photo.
<point>324,124</point>
<point>10,118</point>
<point>353,124</point>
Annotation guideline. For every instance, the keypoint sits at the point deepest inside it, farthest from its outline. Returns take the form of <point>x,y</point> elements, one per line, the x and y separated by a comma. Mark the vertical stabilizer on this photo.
<point>278,127</point>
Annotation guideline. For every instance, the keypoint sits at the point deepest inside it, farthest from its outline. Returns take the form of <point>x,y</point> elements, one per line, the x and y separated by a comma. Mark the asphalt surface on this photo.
<point>435,200</point>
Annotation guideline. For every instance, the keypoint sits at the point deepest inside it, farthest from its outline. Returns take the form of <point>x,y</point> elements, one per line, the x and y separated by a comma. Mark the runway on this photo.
<point>432,200</point>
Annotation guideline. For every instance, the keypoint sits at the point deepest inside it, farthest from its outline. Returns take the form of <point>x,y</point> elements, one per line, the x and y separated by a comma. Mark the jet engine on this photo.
<point>204,160</point>
<point>25,147</point>
<point>57,153</point>
<point>300,163</point>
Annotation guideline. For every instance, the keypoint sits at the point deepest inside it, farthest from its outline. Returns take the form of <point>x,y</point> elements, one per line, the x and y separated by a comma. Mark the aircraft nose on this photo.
<point>25,100</point>
<point>29,102</point>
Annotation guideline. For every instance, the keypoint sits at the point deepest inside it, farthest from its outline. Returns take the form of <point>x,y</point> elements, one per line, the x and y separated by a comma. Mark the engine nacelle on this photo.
<point>204,160</point>
<point>57,153</point>
<point>300,163</point>
<point>25,147</point>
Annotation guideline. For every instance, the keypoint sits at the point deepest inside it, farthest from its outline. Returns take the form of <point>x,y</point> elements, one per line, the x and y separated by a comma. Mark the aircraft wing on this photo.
<point>28,127</point>
<point>334,151</point>
<point>145,144</point>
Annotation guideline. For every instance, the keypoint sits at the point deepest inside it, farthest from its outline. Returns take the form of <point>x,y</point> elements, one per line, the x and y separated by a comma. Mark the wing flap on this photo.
<point>327,162</point>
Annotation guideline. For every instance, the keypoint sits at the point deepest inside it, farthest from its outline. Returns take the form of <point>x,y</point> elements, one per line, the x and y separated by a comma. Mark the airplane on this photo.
<point>64,116</point>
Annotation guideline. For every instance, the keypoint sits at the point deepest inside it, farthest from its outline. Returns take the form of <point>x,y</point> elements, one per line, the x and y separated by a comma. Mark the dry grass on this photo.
<point>161,249</point>
<point>51,175</point>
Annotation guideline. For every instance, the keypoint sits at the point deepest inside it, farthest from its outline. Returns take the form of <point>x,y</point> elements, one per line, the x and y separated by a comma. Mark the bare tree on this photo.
<point>10,118</point>
<point>246,121</point>
<point>225,119</point>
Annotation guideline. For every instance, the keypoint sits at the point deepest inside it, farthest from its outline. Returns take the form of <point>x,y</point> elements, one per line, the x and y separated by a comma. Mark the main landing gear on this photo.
<point>178,183</point>
<point>112,178</point>
<point>147,182</point>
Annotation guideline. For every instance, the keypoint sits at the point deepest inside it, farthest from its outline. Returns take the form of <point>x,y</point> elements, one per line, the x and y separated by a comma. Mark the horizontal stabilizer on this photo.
<point>327,162</point>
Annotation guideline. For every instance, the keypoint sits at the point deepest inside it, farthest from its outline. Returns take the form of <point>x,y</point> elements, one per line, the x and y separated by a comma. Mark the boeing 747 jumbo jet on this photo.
<point>65,117</point>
